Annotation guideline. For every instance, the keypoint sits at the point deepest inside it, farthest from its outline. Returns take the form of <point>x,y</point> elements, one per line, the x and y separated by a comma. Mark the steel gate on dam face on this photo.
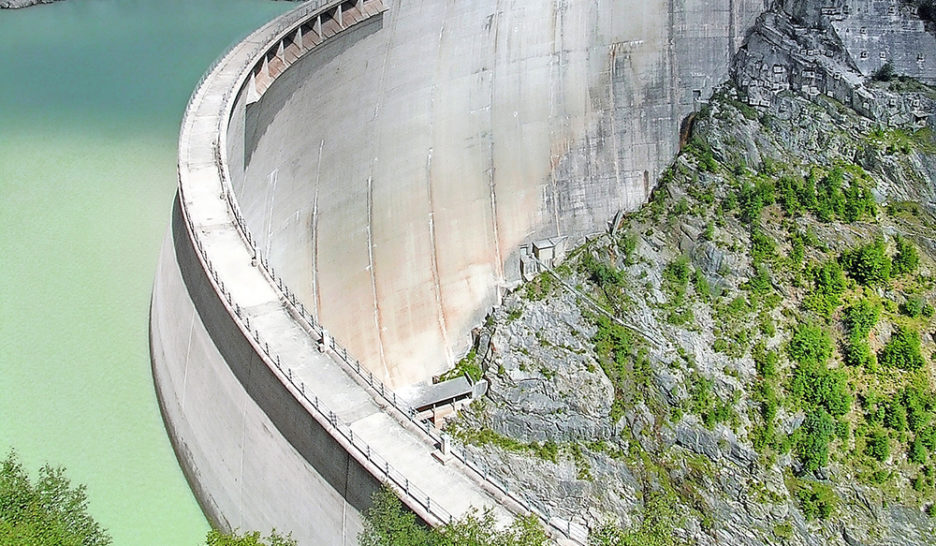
<point>375,166</point>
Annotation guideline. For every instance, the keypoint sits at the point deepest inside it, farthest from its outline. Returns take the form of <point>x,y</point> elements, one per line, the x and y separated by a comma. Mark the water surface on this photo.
<point>91,94</point>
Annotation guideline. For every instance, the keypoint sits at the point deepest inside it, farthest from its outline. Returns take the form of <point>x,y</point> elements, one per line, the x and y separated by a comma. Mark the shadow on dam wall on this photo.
<point>382,170</point>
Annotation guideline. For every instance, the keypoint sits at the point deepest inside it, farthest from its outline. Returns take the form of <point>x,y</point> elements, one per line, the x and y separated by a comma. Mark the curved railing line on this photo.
<point>280,27</point>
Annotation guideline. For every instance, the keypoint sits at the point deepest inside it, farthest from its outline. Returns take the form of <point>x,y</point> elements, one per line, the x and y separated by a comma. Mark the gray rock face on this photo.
<point>15,4</point>
<point>548,386</point>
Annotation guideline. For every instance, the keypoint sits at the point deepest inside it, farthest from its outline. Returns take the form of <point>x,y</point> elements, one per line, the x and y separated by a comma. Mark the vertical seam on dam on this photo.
<point>316,296</point>
<point>373,274</point>
<point>433,247</point>
<point>436,283</point>
<point>492,182</point>
<point>557,98</point>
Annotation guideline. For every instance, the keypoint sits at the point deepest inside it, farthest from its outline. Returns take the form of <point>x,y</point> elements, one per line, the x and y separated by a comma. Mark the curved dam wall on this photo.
<point>374,166</point>
<point>275,424</point>
<point>392,177</point>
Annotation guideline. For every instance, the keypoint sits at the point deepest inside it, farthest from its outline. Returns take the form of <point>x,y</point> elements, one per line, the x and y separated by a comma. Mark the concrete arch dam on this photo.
<point>374,166</point>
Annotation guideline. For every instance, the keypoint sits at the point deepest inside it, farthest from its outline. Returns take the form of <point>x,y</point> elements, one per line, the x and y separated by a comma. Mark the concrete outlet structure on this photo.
<point>356,181</point>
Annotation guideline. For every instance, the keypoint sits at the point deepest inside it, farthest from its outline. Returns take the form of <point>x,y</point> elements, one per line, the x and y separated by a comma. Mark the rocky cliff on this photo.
<point>15,4</point>
<point>748,359</point>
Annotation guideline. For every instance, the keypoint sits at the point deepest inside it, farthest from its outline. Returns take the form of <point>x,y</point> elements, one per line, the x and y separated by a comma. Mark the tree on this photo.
<point>868,264</point>
<point>903,350</point>
<point>388,523</point>
<point>48,512</point>
<point>907,258</point>
<point>217,538</point>
<point>810,345</point>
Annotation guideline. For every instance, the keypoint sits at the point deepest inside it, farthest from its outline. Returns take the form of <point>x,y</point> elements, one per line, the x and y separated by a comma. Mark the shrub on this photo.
<point>917,451</point>
<point>677,272</point>
<point>603,274</point>
<point>628,246</point>
<point>896,416</point>
<point>859,202</point>
<point>762,246</point>
<point>885,73</point>
<point>877,445</point>
<point>927,11</point>
<point>822,387</point>
<point>388,523</point>
<point>913,307</point>
<point>903,350</point>
<point>927,437</point>
<point>907,259</point>
<point>753,198</point>
<point>612,341</point>
<point>760,283</point>
<point>810,345</point>
<point>816,500</point>
<point>830,200</point>
<point>813,446</point>
<point>861,317</point>
<point>858,353</point>
<point>766,361</point>
<point>217,538</point>
<point>828,283</point>
<point>868,264</point>
<point>919,405</point>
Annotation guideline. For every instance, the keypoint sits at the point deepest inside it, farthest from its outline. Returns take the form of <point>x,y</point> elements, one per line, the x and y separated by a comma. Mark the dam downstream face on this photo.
<point>392,176</point>
<point>87,176</point>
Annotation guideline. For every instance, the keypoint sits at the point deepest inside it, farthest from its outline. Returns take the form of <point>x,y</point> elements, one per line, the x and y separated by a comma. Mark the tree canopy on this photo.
<point>47,511</point>
<point>389,523</point>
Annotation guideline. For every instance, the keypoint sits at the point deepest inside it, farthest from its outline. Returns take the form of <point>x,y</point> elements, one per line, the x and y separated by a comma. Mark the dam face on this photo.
<point>367,171</point>
<point>392,177</point>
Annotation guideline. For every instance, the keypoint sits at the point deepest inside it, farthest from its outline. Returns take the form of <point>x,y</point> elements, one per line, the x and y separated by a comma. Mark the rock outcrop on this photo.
<point>16,4</point>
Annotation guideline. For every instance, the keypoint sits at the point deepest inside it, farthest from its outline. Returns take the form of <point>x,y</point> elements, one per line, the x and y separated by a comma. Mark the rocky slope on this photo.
<point>749,359</point>
<point>15,4</point>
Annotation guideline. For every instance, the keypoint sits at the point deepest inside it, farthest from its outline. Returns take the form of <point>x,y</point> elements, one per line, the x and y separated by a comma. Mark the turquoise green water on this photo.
<point>91,94</point>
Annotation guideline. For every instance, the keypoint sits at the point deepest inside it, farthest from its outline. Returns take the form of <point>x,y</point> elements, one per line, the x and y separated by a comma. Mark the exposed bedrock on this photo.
<point>15,4</point>
<point>393,176</point>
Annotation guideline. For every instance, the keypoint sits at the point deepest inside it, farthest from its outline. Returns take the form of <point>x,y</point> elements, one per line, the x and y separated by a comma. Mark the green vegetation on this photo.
<point>44,512</point>
<point>217,538</point>
<point>868,264</point>
<point>903,350</point>
<point>814,436</point>
<point>829,284</point>
<point>656,528</point>
<point>548,451</point>
<point>810,345</point>
<point>388,523</point>
<point>468,366</point>
<point>859,319</point>
<point>816,500</point>
<point>907,259</point>
<point>877,445</point>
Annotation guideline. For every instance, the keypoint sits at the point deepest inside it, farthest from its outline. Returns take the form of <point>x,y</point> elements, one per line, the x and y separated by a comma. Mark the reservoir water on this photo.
<point>91,94</point>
